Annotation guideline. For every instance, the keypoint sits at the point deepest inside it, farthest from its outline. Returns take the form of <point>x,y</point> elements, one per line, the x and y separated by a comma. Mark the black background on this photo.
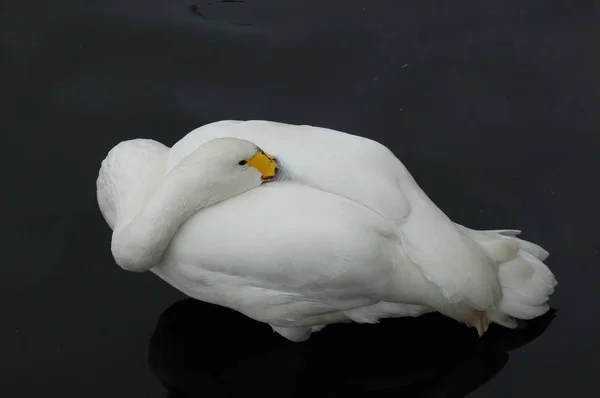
<point>492,105</point>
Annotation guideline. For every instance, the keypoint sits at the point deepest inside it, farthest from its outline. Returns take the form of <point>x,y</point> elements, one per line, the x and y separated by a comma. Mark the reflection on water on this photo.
<point>202,350</point>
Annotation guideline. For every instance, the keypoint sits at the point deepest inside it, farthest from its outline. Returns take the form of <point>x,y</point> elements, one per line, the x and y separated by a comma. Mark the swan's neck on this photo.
<point>139,244</point>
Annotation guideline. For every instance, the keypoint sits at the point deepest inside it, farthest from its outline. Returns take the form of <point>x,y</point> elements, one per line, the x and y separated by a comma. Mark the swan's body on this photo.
<point>350,236</point>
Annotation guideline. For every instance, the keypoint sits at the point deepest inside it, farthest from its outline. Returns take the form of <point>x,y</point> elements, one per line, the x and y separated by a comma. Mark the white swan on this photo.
<point>348,235</point>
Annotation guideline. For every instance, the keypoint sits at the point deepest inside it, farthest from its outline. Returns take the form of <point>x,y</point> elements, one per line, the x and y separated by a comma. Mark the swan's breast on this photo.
<point>286,234</point>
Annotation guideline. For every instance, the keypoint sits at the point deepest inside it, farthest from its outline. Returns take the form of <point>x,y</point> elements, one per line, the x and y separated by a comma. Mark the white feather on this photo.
<point>350,237</point>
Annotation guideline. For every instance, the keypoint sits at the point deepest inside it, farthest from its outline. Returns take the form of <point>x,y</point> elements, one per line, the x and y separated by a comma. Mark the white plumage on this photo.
<point>349,236</point>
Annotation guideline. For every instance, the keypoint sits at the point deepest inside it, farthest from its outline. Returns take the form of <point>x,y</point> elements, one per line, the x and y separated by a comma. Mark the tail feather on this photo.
<point>527,283</point>
<point>533,249</point>
<point>526,286</point>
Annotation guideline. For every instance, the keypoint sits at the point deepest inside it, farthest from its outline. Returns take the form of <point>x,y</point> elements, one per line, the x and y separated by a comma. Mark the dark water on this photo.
<point>492,105</point>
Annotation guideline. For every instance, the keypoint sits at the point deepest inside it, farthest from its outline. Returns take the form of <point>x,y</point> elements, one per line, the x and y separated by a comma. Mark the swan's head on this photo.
<point>233,165</point>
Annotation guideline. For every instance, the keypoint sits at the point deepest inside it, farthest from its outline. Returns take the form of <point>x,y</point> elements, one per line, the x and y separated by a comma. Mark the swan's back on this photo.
<point>327,159</point>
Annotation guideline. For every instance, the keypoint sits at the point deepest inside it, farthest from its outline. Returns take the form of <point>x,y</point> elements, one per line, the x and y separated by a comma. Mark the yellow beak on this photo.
<point>266,164</point>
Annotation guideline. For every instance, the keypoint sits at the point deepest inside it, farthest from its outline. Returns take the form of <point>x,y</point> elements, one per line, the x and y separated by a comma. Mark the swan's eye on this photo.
<point>242,162</point>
